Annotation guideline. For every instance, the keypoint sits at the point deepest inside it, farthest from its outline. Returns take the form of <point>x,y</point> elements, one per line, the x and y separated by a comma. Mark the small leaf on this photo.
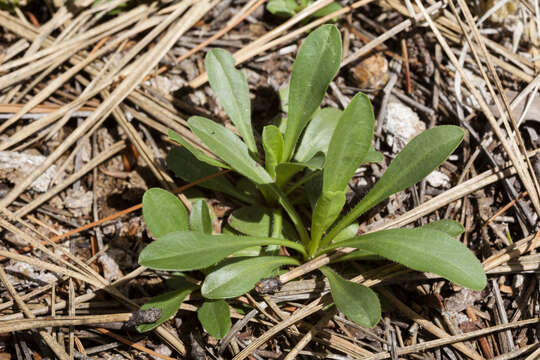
<point>282,8</point>
<point>327,10</point>
<point>424,249</point>
<point>318,133</point>
<point>199,218</point>
<point>187,167</point>
<point>347,233</point>
<point>418,159</point>
<point>163,212</point>
<point>189,250</point>
<point>240,276</point>
<point>349,145</point>
<point>251,220</point>
<point>231,89</point>
<point>286,170</point>
<point>373,156</point>
<point>201,156</point>
<point>169,303</point>
<point>215,317</point>
<point>450,227</point>
<point>358,302</point>
<point>315,66</point>
<point>229,148</point>
<point>272,141</point>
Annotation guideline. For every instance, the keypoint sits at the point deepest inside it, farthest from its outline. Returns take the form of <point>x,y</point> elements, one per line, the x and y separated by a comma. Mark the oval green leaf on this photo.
<point>169,303</point>
<point>450,227</point>
<point>373,156</point>
<point>251,220</point>
<point>215,317</point>
<point>240,276</point>
<point>282,8</point>
<point>358,302</point>
<point>163,212</point>
<point>231,89</point>
<point>199,218</point>
<point>229,148</point>
<point>189,250</point>
<point>349,145</point>
<point>424,250</point>
<point>420,157</point>
<point>315,66</point>
<point>318,133</point>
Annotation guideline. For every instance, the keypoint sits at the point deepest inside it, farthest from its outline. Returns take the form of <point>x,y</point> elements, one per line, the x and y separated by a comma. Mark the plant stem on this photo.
<point>287,243</point>
<point>345,221</point>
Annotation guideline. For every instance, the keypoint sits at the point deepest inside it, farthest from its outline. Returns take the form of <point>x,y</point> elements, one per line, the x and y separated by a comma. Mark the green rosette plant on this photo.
<point>302,167</point>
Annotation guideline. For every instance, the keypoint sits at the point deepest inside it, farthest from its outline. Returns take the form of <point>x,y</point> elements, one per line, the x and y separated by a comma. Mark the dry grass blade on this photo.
<point>38,323</point>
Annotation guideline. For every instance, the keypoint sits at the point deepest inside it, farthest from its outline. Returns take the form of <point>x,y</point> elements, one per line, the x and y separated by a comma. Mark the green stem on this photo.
<point>277,223</point>
<point>291,211</point>
<point>348,219</point>
<point>287,243</point>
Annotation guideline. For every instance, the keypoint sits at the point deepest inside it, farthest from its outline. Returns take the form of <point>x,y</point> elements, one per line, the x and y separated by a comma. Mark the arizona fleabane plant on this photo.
<point>312,158</point>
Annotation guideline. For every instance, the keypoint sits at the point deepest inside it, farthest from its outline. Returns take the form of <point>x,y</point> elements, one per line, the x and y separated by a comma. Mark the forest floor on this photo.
<point>88,92</point>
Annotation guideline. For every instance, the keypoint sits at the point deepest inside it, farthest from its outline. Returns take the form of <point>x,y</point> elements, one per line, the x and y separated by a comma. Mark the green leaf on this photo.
<point>318,133</point>
<point>251,220</point>
<point>349,145</point>
<point>169,303</point>
<point>424,249</point>
<point>286,170</point>
<point>240,276</point>
<point>187,167</point>
<point>215,317</point>
<point>347,233</point>
<point>174,136</point>
<point>189,250</point>
<point>358,302</point>
<point>315,66</point>
<point>373,156</point>
<point>327,10</point>
<point>282,8</point>
<point>450,227</point>
<point>272,141</point>
<point>231,89</point>
<point>327,209</point>
<point>199,218</point>
<point>420,157</point>
<point>229,148</point>
<point>163,212</point>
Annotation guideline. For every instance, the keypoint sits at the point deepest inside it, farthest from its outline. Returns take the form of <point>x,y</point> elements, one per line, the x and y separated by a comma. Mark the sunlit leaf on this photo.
<point>451,227</point>
<point>424,249</point>
<point>201,156</point>
<point>163,212</point>
<point>199,217</point>
<point>318,134</point>
<point>272,141</point>
<point>231,89</point>
<point>240,276</point>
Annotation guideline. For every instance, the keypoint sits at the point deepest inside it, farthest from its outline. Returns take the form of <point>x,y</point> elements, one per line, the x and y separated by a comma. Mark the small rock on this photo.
<point>438,179</point>
<point>401,124</point>
<point>111,270</point>
<point>79,201</point>
<point>372,72</point>
<point>162,349</point>
<point>15,167</point>
<point>31,273</point>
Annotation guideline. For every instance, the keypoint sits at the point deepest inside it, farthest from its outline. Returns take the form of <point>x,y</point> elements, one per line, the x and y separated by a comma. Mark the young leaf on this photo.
<point>358,302</point>
<point>315,66</point>
<point>231,89</point>
<point>187,167</point>
<point>282,8</point>
<point>169,303</point>
<point>327,10</point>
<point>189,250</point>
<point>451,227</point>
<point>424,249</point>
<point>420,157</point>
<point>240,276</point>
<point>251,220</point>
<point>272,141</point>
<point>229,148</point>
<point>215,317</point>
<point>349,145</point>
<point>201,156</point>
<point>286,170</point>
<point>199,218</point>
<point>318,134</point>
<point>163,212</point>
<point>347,233</point>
